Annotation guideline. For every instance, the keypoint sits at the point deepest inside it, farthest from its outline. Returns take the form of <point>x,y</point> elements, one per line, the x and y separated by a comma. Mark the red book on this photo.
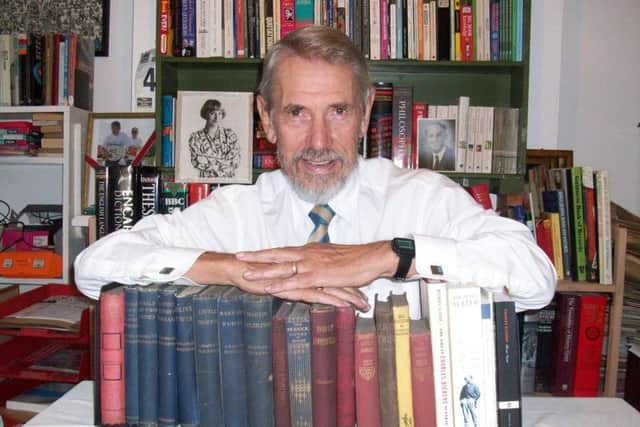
<point>466,32</point>
<point>480,193</point>
<point>240,24</point>
<point>384,30</point>
<point>281,406</point>
<point>589,346</point>
<point>112,385</point>
<point>588,195</point>
<point>544,237</point>
<point>366,371</point>
<point>323,364</point>
<point>565,345</point>
<point>165,18</point>
<point>346,390</point>
<point>424,408</point>
<point>197,191</point>
<point>419,111</point>
<point>287,17</point>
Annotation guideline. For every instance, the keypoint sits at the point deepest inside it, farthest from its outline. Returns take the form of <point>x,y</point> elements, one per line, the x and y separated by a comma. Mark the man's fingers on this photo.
<point>268,255</point>
<point>352,295</point>
<point>313,296</point>
<point>269,271</point>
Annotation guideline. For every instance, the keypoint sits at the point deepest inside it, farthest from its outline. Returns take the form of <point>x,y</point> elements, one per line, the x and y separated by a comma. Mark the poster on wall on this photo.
<point>143,57</point>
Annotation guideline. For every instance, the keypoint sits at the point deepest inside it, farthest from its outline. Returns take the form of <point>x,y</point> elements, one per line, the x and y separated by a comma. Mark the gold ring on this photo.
<point>294,268</point>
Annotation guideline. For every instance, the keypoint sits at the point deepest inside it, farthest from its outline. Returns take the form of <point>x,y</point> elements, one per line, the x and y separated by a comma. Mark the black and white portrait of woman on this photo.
<point>214,149</point>
<point>214,137</point>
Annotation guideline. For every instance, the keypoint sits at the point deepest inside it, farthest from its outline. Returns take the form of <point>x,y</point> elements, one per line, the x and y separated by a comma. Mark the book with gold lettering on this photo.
<point>298,333</point>
<point>400,309</point>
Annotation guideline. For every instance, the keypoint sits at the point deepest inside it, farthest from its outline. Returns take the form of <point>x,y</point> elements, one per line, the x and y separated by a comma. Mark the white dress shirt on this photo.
<point>454,235</point>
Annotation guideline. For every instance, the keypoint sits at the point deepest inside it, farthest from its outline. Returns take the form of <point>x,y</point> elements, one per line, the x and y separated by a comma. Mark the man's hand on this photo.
<point>319,265</point>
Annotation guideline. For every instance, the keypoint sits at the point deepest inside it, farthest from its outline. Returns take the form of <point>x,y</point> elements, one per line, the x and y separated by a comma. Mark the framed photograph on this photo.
<point>436,144</point>
<point>116,139</point>
<point>214,137</point>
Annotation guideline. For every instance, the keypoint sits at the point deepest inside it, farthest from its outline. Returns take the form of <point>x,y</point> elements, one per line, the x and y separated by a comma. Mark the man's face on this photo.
<point>115,130</point>
<point>435,137</point>
<point>316,121</point>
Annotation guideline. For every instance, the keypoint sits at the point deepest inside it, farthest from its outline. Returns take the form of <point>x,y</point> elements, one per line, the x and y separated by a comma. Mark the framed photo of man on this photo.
<point>214,137</point>
<point>436,144</point>
<point>115,139</point>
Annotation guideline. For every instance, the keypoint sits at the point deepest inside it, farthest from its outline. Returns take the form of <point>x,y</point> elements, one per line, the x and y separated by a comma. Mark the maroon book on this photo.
<point>566,344</point>
<point>366,370</point>
<point>281,407</point>
<point>424,408</point>
<point>346,325</point>
<point>323,364</point>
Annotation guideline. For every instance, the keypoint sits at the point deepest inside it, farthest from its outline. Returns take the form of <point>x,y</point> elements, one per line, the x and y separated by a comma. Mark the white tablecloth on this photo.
<point>75,409</point>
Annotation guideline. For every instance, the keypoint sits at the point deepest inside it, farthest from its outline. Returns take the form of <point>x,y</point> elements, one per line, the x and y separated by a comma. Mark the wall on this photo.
<point>582,92</point>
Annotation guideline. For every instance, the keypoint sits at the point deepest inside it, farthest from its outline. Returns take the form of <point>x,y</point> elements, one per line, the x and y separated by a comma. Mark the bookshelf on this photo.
<point>498,84</point>
<point>615,307</point>
<point>51,179</point>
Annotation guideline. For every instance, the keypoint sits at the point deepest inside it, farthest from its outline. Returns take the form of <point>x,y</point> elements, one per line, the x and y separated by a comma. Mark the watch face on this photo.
<point>404,245</point>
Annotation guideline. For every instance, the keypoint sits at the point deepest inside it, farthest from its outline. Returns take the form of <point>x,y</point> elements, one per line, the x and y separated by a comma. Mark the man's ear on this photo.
<point>267,124</point>
<point>364,124</point>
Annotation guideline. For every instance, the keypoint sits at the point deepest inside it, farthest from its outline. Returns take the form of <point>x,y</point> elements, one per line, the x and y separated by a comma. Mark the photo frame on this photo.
<point>116,138</point>
<point>436,144</point>
<point>214,137</point>
<point>102,40</point>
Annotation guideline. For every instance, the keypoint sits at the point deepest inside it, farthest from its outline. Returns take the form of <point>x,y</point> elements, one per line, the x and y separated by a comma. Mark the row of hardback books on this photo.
<point>215,355</point>
<point>451,30</point>
<point>562,346</point>
<point>570,215</point>
<point>46,69</point>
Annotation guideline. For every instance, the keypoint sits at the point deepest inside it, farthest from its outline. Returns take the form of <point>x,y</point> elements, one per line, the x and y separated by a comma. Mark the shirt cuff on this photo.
<point>169,265</point>
<point>436,258</point>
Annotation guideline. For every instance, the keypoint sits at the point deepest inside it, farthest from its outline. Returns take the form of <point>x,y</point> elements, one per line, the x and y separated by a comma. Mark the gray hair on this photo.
<point>316,42</point>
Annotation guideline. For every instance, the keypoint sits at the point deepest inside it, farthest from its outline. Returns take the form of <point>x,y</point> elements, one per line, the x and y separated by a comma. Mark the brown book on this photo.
<point>280,367</point>
<point>323,364</point>
<point>49,129</point>
<point>366,367</point>
<point>424,409</point>
<point>387,384</point>
<point>52,143</point>
<point>48,73</point>
<point>346,324</point>
<point>47,116</point>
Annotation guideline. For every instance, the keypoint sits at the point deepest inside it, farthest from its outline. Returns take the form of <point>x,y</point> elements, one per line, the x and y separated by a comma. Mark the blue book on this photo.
<point>298,333</point>
<point>258,311</point>
<point>131,340</point>
<point>232,358</point>
<point>188,415</point>
<point>188,28</point>
<point>167,123</point>
<point>205,317</point>
<point>167,362</point>
<point>148,355</point>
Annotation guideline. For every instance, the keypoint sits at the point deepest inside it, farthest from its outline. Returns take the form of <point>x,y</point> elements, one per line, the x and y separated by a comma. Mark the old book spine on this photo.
<point>323,364</point>
<point>112,380</point>
<point>387,381</point>
<point>345,330</point>
<point>167,362</point>
<point>298,330</point>
<point>258,310</point>
<point>565,344</point>
<point>366,371</point>
<point>605,258</point>
<point>545,343</point>
<point>577,209</point>
<point>205,312</point>
<point>131,341</point>
<point>280,367</point>
<point>400,309</point>
<point>402,131</point>
<point>188,415</point>
<point>232,358</point>
<point>424,409</point>
<point>148,351</point>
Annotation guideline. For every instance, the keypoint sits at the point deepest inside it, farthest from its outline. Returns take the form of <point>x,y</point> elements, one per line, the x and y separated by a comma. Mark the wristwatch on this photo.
<point>406,251</point>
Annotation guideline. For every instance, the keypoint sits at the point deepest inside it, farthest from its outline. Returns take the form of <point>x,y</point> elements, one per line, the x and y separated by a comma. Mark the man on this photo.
<point>113,149</point>
<point>438,153</point>
<point>135,145</point>
<point>314,102</point>
<point>469,396</point>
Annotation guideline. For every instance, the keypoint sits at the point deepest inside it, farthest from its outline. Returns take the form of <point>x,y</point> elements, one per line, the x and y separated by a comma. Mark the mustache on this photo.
<point>312,155</point>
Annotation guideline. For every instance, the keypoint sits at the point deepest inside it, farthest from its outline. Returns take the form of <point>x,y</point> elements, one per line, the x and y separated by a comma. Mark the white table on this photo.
<point>75,409</point>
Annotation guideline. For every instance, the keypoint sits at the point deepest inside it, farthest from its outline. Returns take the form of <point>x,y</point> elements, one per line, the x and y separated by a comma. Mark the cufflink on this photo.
<point>166,270</point>
<point>437,270</point>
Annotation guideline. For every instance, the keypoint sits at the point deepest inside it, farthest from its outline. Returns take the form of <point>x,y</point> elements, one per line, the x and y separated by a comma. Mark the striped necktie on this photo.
<point>321,216</point>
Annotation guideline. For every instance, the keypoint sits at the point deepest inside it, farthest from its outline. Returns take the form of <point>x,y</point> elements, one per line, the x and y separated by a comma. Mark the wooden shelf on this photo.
<point>570,286</point>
